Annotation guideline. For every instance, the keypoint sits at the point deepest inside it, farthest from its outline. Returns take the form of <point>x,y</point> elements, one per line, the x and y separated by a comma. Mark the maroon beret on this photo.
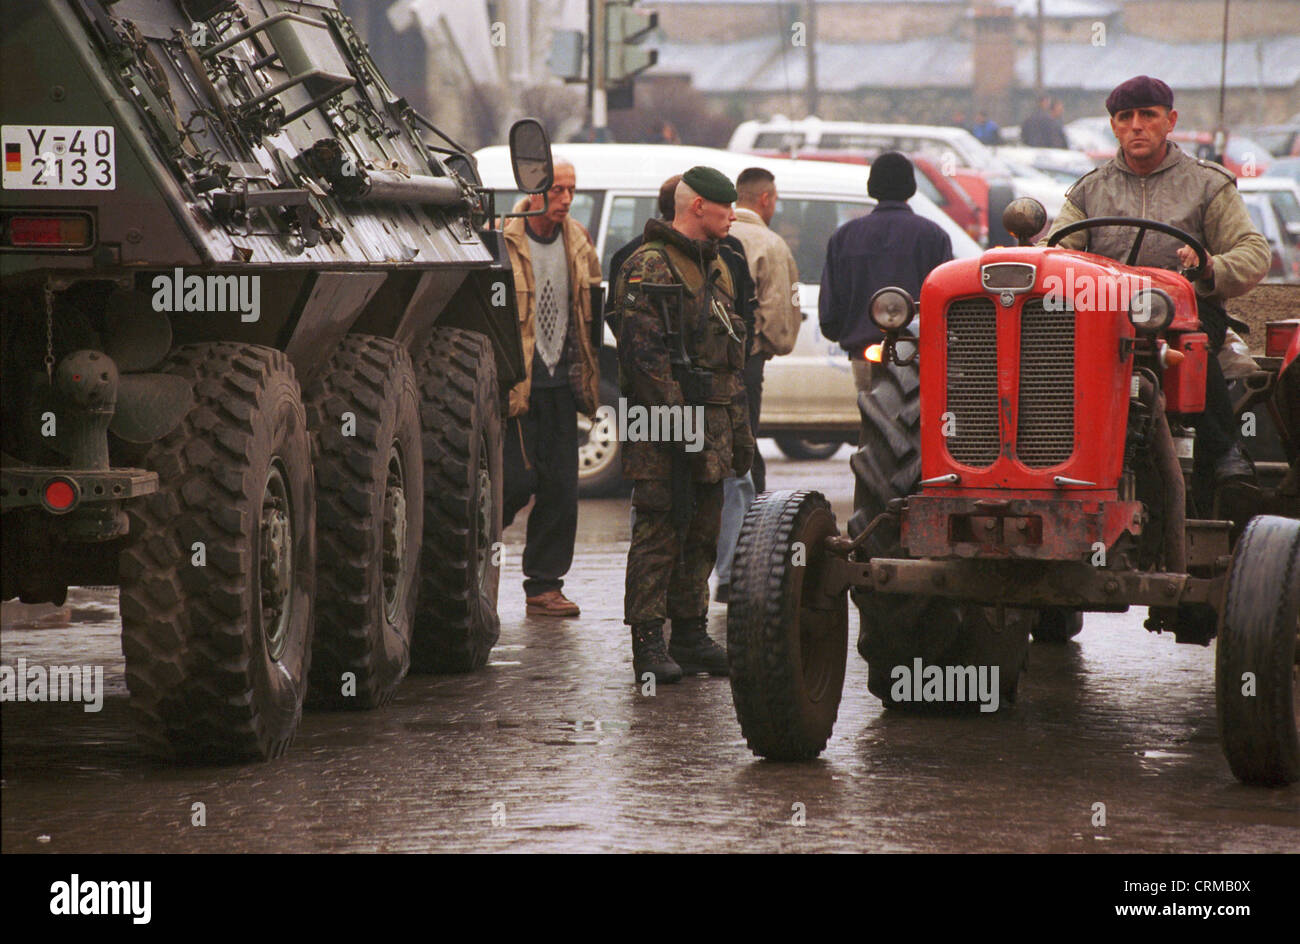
<point>1139,92</point>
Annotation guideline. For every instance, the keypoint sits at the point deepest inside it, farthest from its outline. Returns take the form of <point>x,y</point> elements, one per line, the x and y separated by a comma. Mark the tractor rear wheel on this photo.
<point>1057,625</point>
<point>1255,660</point>
<point>786,649</point>
<point>896,629</point>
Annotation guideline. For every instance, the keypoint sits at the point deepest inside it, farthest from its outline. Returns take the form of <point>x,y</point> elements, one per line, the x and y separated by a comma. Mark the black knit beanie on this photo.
<point>892,177</point>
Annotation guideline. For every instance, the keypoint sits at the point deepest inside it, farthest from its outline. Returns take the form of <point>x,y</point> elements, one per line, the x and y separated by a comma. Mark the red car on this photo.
<point>1243,156</point>
<point>963,195</point>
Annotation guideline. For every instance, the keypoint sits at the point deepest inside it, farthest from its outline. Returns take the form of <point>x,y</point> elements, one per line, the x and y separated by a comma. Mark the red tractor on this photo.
<point>1025,457</point>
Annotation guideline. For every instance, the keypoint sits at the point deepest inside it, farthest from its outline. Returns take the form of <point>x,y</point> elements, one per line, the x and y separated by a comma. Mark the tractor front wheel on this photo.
<point>786,647</point>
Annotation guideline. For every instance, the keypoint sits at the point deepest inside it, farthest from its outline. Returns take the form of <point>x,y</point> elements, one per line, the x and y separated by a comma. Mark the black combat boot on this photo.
<point>694,650</point>
<point>649,655</point>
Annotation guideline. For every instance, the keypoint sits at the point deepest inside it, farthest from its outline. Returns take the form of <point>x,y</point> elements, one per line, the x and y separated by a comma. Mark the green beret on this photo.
<point>710,184</point>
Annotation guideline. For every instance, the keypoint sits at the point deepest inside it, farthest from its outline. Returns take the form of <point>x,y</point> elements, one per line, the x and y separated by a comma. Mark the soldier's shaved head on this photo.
<point>682,197</point>
<point>705,219</point>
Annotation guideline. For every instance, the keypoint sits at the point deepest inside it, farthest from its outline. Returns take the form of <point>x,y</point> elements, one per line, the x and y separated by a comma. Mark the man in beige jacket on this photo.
<point>1151,178</point>
<point>776,325</point>
<point>555,267</point>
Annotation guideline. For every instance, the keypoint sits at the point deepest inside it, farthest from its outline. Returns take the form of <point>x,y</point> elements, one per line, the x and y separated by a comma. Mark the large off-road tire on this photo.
<point>887,464</point>
<point>218,582</point>
<point>456,623</point>
<point>806,450</point>
<point>600,461</point>
<point>896,629</point>
<point>1255,667</point>
<point>1057,625</point>
<point>364,414</point>
<point>787,658</point>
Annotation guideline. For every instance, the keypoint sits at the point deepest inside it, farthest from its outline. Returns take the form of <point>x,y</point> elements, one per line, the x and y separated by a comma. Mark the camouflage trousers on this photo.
<point>667,571</point>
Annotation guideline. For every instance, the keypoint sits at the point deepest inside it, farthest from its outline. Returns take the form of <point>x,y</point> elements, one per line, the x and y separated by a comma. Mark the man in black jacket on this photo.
<point>891,245</point>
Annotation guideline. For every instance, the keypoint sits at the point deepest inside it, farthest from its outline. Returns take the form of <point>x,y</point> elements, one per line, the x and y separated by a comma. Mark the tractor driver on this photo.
<point>1152,178</point>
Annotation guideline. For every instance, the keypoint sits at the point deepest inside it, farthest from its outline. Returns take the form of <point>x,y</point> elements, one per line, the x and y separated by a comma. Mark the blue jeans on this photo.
<point>737,496</point>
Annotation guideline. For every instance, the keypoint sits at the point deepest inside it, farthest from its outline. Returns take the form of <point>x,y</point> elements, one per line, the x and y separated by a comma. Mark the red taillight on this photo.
<point>59,495</point>
<point>47,232</point>
<point>1277,337</point>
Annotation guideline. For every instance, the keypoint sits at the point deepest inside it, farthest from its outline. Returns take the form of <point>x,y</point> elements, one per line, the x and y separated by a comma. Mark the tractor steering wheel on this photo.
<point>1202,257</point>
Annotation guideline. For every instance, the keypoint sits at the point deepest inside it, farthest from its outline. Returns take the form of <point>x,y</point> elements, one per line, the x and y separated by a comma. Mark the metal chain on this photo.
<point>49,333</point>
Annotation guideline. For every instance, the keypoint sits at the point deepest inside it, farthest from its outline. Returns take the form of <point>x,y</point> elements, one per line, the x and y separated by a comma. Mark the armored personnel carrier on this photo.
<point>256,347</point>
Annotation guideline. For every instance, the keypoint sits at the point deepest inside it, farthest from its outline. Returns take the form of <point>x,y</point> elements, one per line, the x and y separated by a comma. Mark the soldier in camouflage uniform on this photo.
<point>681,344</point>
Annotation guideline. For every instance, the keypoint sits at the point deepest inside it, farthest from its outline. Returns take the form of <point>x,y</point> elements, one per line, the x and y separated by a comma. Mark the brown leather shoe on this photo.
<point>551,603</point>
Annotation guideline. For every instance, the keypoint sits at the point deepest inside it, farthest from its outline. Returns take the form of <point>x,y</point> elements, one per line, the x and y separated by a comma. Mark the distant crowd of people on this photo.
<point>1044,128</point>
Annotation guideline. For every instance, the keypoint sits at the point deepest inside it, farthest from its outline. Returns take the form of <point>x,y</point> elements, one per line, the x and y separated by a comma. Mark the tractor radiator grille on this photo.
<point>1045,429</point>
<point>973,381</point>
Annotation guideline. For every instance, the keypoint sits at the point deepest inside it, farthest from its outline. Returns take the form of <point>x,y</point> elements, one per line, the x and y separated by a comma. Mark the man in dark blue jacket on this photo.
<point>891,245</point>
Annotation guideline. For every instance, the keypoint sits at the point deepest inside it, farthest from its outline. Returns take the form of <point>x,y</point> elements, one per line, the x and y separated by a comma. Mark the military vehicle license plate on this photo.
<point>59,157</point>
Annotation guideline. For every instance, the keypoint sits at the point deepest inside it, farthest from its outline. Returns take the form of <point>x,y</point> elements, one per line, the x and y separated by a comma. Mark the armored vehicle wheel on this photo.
<point>1255,664</point>
<point>795,447</point>
<point>456,624</point>
<point>896,630</point>
<point>364,414</point>
<point>218,583</point>
<point>1055,624</point>
<point>786,655</point>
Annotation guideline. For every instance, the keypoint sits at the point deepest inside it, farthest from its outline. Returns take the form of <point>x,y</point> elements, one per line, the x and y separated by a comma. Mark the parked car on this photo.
<point>1244,156</point>
<point>950,192</point>
<point>1285,263</point>
<point>952,148</point>
<point>808,395</point>
<point>1288,167</point>
<point>1283,193</point>
<point>1092,135</point>
<point>1062,165</point>
<point>1281,140</point>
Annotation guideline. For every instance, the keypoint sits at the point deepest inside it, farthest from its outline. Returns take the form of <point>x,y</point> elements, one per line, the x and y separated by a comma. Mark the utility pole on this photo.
<point>1221,133</point>
<point>1038,50</point>
<point>596,104</point>
<point>810,84</point>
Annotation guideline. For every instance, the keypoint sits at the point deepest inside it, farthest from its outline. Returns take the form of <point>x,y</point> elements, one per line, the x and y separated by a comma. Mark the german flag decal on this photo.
<point>13,156</point>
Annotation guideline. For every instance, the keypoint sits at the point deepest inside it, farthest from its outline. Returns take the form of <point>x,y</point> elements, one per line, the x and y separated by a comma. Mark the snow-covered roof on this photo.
<point>1266,63</point>
<point>770,64</point>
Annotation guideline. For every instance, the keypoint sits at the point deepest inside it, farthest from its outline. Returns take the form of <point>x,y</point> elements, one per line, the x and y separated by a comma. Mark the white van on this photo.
<point>808,395</point>
<point>944,144</point>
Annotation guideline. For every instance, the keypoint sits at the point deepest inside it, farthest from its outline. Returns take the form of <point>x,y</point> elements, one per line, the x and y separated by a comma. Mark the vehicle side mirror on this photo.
<point>530,156</point>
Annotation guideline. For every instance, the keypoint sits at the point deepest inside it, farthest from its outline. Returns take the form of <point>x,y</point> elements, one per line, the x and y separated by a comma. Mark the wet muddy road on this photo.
<point>553,748</point>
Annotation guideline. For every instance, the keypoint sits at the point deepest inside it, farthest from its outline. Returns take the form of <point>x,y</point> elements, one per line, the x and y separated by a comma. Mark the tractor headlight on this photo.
<point>1150,310</point>
<point>892,309</point>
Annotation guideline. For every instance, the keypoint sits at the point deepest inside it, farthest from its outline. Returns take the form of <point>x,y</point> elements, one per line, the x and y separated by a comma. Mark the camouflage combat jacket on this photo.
<point>662,329</point>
